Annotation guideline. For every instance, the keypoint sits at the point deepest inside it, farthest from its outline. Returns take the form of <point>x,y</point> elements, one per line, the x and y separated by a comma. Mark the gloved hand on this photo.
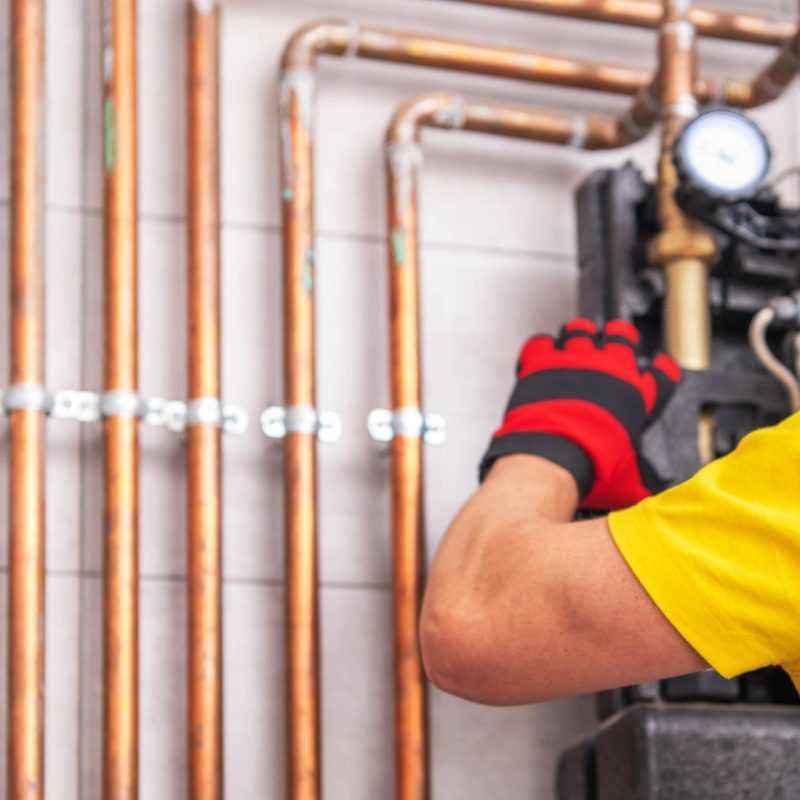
<point>582,402</point>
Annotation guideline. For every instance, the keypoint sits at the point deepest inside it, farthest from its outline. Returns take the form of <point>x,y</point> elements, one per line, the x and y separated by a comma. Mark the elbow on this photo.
<point>456,653</point>
<point>473,650</point>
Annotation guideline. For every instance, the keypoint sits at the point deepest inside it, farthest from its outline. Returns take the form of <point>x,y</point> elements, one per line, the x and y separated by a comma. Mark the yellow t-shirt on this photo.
<point>720,553</point>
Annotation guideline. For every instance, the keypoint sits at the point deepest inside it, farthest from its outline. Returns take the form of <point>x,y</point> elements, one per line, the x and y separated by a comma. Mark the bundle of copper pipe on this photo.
<point>337,38</point>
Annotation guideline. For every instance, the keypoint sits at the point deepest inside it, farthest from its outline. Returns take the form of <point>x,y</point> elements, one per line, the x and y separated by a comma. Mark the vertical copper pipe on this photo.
<point>683,248</point>
<point>408,551</point>
<point>296,112</point>
<point>302,613</point>
<point>403,157</point>
<point>121,709</point>
<point>204,441</point>
<point>26,568</point>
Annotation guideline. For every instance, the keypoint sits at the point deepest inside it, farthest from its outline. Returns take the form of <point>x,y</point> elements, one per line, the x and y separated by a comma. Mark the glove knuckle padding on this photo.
<point>582,401</point>
<point>623,329</point>
<point>579,342</point>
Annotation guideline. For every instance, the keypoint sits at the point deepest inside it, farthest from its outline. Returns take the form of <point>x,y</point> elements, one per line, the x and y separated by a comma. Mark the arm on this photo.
<point>523,605</point>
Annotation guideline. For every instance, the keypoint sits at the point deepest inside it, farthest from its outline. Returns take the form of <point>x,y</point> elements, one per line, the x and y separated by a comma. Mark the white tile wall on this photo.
<point>497,263</point>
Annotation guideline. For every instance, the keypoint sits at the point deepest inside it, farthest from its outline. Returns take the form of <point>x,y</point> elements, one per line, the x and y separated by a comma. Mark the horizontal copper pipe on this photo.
<point>341,38</point>
<point>27,434</point>
<point>585,131</point>
<point>121,490</point>
<point>447,111</point>
<point>204,524</point>
<point>711,22</point>
<point>344,39</point>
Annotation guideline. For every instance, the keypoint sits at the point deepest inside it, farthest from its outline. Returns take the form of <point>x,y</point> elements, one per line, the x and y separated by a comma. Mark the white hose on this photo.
<point>797,353</point>
<point>758,341</point>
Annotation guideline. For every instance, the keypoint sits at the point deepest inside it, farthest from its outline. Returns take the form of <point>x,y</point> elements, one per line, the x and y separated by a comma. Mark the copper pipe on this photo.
<point>302,612</point>
<point>296,122</point>
<point>344,39</point>
<point>27,440</point>
<point>684,248</point>
<point>403,157</point>
<point>408,551</point>
<point>204,441</point>
<point>121,711</point>
<point>341,38</point>
<point>711,22</point>
<point>770,83</point>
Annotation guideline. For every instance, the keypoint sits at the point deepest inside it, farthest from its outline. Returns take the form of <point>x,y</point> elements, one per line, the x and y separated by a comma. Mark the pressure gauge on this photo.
<point>722,153</point>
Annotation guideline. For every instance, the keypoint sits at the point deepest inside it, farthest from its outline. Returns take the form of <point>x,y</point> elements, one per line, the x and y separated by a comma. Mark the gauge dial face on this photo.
<point>724,153</point>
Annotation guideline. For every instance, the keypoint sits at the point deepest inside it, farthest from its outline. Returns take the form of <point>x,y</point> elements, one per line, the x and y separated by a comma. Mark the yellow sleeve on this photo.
<point>720,553</point>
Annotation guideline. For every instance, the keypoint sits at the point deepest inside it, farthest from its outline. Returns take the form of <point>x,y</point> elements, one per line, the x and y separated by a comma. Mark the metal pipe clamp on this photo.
<point>279,421</point>
<point>21,396</point>
<point>383,425</point>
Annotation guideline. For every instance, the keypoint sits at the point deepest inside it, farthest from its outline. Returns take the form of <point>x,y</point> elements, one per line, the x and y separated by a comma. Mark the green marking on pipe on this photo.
<point>109,135</point>
<point>308,271</point>
<point>287,194</point>
<point>398,246</point>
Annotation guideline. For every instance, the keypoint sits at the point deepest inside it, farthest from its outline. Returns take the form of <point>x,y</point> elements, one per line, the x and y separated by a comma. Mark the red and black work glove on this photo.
<point>582,401</point>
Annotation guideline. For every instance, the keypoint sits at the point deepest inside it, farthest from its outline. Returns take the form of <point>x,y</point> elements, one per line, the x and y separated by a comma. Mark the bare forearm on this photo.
<point>524,605</point>
<point>474,586</point>
<point>521,496</point>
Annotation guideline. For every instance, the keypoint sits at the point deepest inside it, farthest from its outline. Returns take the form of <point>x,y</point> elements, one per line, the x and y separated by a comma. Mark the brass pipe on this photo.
<point>711,22</point>
<point>403,157</point>
<point>204,545</point>
<point>121,667</point>
<point>683,247</point>
<point>27,434</point>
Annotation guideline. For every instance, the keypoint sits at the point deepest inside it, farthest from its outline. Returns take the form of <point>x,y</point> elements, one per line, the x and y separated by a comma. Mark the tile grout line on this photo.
<point>374,238</point>
<point>234,580</point>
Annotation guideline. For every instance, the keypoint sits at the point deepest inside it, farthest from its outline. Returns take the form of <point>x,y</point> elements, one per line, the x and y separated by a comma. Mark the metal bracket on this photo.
<point>22,396</point>
<point>83,406</point>
<point>383,425</point>
<point>279,421</point>
<point>206,411</point>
